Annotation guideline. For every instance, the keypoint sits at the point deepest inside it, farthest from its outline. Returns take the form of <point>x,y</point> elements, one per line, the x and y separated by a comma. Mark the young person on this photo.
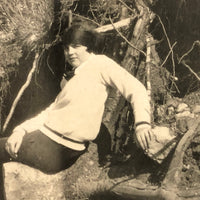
<point>54,139</point>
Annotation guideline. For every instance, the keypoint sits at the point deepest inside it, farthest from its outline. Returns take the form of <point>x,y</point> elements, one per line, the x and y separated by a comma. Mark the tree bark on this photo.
<point>118,111</point>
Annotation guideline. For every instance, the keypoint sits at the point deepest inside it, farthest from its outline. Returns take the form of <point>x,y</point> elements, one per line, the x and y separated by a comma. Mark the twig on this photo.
<point>126,38</point>
<point>126,6</point>
<point>168,41</point>
<point>49,66</point>
<point>148,66</point>
<point>168,54</point>
<point>109,27</point>
<point>70,18</point>
<point>86,19</point>
<point>69,4</point>
<point>170,47</point>
<point>189,51</point>
<point>190,69</point>
<point>92,11</point>
<point>172,77</point>
<point>21,91</point>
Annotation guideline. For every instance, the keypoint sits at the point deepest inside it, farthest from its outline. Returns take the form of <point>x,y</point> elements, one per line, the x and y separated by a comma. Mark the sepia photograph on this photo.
<point>100,100</point>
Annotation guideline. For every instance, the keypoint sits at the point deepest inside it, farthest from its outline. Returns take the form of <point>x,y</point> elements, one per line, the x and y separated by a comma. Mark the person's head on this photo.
<point>81,35</point>
<point>78,43</point>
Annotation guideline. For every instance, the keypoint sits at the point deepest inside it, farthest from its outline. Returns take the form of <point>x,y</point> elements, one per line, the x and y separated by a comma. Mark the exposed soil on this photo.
<point>89,179</point>
<point>190,176</point>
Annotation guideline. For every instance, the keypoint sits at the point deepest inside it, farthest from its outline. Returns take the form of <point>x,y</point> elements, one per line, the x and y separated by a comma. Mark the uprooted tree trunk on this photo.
<point>119,117</point>
<point>118,111</point>
<point>169,189</point>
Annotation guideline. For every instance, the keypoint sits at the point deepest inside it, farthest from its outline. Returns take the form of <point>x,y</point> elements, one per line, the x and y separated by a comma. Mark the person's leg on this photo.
<point>4,156</point>
<point>39,151</point>
<point>1,184</point>
<point>103,141</point>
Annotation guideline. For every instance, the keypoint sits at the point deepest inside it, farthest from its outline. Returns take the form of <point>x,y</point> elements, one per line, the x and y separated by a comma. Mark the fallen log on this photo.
<point>133,190</point>
<point>173,175</point>
<point>169,188</point>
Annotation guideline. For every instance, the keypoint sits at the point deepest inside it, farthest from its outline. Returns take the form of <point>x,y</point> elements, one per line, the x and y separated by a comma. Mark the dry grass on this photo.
<point>23,23</point>
<point>26,22</point>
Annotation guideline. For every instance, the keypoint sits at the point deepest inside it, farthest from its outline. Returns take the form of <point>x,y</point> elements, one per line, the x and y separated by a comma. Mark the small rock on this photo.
<point>91,163</point>
<point>170,110</point>
<point>196,109</point>
<point>85,169</point>
<point>185,114</point>
<point>182,107</point>
<point>172,102</point>
<point>161,143</point>
<point>182,125</point>
<point>185,168</point>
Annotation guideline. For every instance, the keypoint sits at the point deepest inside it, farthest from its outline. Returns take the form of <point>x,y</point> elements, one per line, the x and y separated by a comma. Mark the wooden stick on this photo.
<point>190,69</point>
<point>168,54</point>
<point>109,27</point>
<point>114,27</point>
<point>85,18</point>
<point>129,8</point>
<point>189,51</point>
<point>21,91</point>
<point>169,44</point>
<point>148,65</point>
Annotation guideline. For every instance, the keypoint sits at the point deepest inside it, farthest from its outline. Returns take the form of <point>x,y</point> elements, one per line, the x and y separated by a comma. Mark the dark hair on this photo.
<point>77,34</point>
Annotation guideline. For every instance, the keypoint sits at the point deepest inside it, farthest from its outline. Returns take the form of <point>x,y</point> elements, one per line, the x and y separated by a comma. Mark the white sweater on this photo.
<point>78,109</point>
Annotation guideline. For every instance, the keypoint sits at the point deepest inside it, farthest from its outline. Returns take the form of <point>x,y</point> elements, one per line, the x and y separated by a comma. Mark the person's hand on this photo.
<point>14,143</point>
<point>143,137</point>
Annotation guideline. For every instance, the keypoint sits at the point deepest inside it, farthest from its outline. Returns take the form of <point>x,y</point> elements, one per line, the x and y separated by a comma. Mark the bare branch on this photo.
<point>189,51</point>
<point>86,19</point>
<point>126,38</point>
<point>168,41</point>
<point>119,24</point>
<point>21,91</point>
<point>168,54</point>
<point>169,44</point>
<point>190,69</point>
<point>92,11</point>
<point>126,6</point>
<point>70,18</point>
<point>148,65</point>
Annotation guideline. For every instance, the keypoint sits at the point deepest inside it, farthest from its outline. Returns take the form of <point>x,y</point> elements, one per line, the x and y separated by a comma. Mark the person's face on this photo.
<point>75,54</point>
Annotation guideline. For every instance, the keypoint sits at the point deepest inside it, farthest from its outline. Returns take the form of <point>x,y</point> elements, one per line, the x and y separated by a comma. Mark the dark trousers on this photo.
<point>39,151</point>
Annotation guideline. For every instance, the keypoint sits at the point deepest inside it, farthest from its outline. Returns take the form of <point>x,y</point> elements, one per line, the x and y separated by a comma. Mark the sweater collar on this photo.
<point>78,69</point>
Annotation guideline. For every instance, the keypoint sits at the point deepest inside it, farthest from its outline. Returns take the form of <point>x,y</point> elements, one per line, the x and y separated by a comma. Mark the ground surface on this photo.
<point>88,180</point>
<point>91,179</point>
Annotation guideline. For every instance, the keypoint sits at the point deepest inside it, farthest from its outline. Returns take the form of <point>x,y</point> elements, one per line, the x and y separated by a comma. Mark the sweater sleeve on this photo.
<point>130,87</point>
<point>33,123</point>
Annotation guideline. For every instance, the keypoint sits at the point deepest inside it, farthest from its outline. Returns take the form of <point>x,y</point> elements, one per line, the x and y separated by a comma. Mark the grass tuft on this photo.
<point>26,22</point>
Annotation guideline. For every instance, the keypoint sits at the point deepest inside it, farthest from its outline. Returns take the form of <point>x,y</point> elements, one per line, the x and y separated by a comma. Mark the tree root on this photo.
<point>134,189</point>
<point>173,174</point>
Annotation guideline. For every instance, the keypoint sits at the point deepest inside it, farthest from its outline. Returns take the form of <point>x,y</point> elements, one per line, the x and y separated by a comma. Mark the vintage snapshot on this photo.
<point>99,100</point>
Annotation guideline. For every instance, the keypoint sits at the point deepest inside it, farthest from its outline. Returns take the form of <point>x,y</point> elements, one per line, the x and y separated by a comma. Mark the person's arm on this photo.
<point>135,92</point>
<point>33,123</point>
<point>15,140</point>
